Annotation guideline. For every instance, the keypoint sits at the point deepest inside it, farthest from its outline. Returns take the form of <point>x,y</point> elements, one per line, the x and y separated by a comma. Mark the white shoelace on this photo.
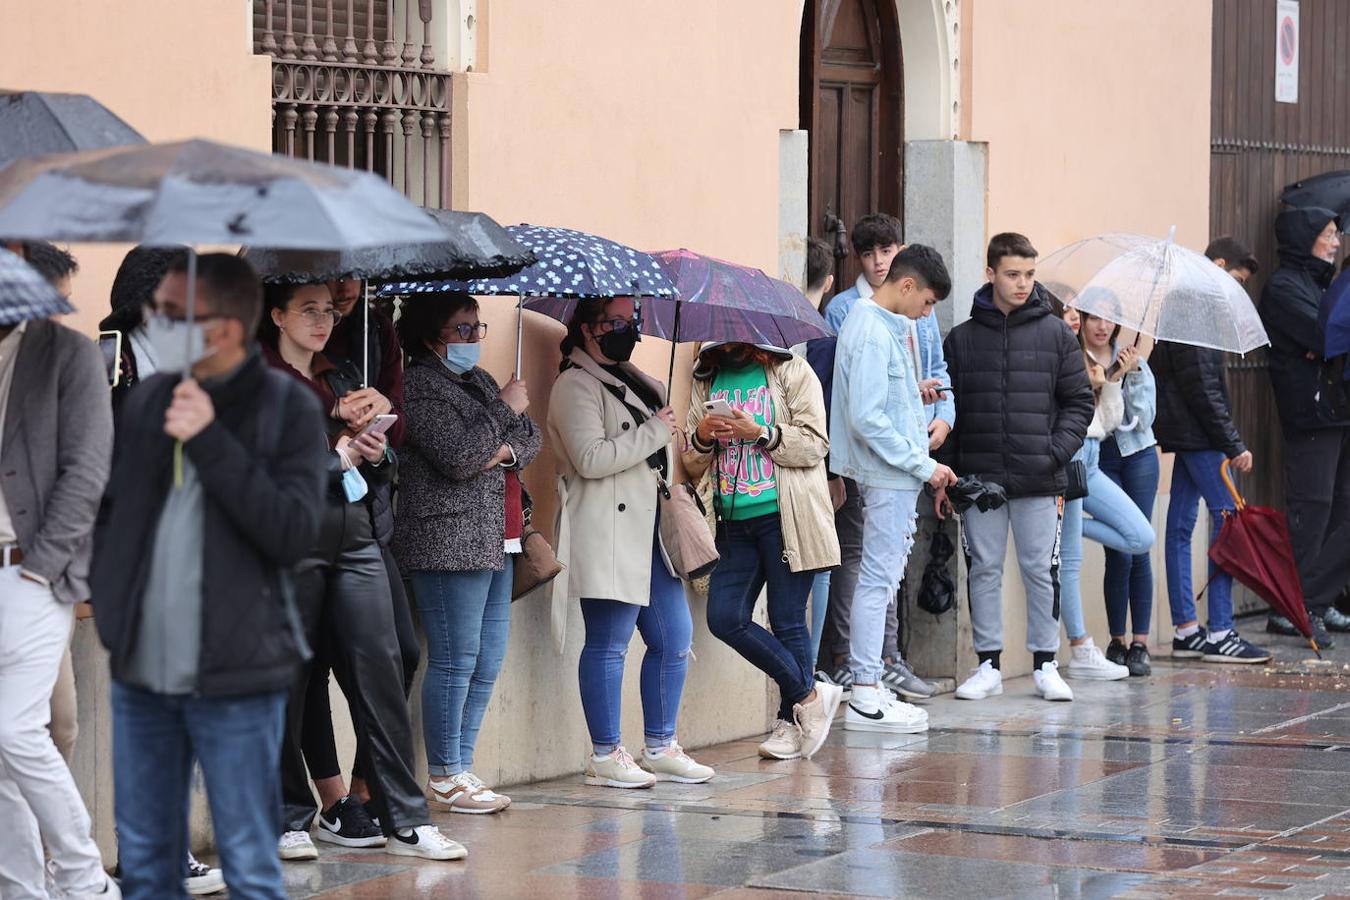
<point>431,835</point>
<point>479,787</point>
<point>295,839</point>
<point>782,730</point>
<point>625,761</point>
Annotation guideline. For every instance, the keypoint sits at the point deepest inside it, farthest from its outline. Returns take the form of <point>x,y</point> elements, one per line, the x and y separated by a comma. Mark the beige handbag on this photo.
<point>684,530</point>
<point>536,564</point>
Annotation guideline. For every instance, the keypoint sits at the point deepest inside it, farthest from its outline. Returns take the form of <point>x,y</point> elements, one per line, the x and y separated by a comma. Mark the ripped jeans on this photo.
<point>889,518</point>
<point>667,629</point>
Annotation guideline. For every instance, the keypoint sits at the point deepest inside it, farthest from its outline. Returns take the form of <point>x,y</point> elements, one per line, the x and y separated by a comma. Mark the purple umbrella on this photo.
<point>720,301</point>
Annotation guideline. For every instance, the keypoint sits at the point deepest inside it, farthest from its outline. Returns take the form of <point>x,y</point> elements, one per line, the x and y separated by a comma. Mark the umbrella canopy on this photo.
<point>200,192</point>
<point>472,245</point>
<point>721,301</point>
<point>1329,189</point>
<point>33,123</point>
<point>24,294</point>
<point>569,265</point>
<point>1155,287</point>
<point>1254,547</point>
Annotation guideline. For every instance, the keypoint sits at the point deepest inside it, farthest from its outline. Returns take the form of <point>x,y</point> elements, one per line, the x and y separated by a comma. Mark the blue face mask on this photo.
<point>353,485</point>
<point>460,358</point>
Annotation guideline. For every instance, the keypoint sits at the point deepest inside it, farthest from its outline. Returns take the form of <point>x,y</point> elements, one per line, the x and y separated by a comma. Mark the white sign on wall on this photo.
<point>1286,51</point>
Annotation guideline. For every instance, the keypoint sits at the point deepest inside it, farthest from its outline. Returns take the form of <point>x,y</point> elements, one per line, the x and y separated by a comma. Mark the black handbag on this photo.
<point>1075,471</point>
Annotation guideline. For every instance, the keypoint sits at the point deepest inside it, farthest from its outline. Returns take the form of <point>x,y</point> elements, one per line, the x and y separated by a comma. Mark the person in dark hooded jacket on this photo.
<point>1023,405</point>
<point>1316,441</point>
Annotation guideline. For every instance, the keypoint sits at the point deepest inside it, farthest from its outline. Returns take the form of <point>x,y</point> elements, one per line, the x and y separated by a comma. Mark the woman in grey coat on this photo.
<point>461,515</point>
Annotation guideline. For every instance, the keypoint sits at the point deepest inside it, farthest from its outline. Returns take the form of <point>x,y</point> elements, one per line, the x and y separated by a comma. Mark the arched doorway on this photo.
<point>852,105</point>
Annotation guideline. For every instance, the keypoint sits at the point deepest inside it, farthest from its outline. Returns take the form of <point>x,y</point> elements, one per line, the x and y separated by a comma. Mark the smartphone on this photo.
<point>719,408</point>
<point>379,424</point>
<point>110,342</point>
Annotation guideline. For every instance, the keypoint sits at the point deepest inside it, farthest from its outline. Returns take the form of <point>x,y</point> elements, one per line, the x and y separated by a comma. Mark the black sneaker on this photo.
<point>1335,620</point>
<point>1137,660</point>
<point>1319,633</point>
<point>202,879</point>
<point>1278,624</point>
<point>1115,652</point>
<point>1191,647</point>
<point>1233,649</point>
<point>347,824</point>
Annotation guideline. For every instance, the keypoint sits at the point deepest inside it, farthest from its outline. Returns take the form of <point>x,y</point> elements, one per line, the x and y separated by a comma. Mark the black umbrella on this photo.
<point>1329,189</point>
<point>472,245</point>
<point>34,123</point>
<point>24,294</point>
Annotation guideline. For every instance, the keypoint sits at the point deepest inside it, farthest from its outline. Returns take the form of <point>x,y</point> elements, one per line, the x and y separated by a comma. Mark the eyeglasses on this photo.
<point>605,326</point>
<point>467,331</point>
<point>316,317</point>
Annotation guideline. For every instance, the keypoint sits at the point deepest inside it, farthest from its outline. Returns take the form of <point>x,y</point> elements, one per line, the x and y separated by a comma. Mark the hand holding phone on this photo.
<point>379,425</point>
<point>719,408</point>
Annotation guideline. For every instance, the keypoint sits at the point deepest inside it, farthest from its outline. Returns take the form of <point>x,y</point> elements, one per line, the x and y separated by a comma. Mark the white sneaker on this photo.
<point>1049,684</point>
<point>482,786</point>
<point>617,770</point>
<point>785,741</point>
<point>986,682</point>
<point>877,709</point>
<point>1089,662</point>
<point>673,764</point>
<point>425,841</point>
<point>296,845</point>
<point>202,879</point>
<point>815,718</point>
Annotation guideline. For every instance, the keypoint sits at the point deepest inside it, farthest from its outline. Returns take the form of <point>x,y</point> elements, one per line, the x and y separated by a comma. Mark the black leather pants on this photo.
<point>342,590</point>
<point>318,742</point>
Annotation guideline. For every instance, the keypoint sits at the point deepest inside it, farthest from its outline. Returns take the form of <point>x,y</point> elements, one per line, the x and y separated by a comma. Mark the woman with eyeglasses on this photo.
<point>462,512</point>
<point>342,591</point>
<point>612,428</point>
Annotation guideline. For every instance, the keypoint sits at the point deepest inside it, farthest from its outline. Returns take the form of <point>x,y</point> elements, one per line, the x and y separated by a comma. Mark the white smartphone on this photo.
<point>718,408</point>
<point>380,424</point>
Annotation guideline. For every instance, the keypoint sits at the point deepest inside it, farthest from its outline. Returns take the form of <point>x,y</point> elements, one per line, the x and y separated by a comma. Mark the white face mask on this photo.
<point>176,345</point>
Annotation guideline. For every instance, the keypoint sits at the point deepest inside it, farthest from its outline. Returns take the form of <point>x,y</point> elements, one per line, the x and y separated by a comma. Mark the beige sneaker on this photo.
<point>785,741</point>
<point>673,764</point>
<point>617,770</point>
<point>482,786</point>
<point>463,795</point>
<point>815,718</point>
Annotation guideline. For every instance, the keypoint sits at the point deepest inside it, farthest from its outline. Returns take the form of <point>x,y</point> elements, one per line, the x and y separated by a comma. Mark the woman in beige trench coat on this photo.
<point>611,430</point>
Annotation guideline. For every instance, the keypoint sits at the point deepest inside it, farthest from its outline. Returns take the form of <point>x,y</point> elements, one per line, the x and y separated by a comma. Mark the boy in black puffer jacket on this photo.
<point>1023,404</point>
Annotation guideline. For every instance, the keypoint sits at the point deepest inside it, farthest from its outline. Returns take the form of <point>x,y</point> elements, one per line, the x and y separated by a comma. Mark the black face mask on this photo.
<point>618,345</point>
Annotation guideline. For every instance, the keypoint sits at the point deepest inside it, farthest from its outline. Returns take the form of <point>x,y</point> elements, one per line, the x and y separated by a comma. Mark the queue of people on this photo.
<point>249,529</point>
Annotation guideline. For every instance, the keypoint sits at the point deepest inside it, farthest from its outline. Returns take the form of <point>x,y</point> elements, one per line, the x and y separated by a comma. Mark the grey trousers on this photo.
<point>1035,525</point>
<point>835,640</point>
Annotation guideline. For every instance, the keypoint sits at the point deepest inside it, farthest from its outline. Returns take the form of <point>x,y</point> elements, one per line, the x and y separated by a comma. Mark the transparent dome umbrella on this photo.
<point>1156,287</point>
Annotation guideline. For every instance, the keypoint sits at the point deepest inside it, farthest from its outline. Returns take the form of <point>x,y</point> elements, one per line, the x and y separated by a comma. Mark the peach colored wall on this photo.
<point>1097,118</point>
<point>1096,113</point>
<point>171,69</point>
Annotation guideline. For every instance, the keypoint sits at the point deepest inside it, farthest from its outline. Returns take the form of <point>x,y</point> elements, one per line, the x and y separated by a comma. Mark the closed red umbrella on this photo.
<point>1254,547</point>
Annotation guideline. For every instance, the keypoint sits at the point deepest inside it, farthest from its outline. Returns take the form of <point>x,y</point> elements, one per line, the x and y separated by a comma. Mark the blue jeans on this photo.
<point>1128,583</point>
<point>1195,474</point>
<point>820,604</point>
<point>467,617</point>
<point>752,557</point>
<point>1071,568</point>
<point>666,628</point>
<point>237,741</point>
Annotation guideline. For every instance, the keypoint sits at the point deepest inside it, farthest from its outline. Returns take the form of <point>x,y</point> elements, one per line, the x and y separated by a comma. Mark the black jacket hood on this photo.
<point>1037,305</point>
<point>1296,230</point>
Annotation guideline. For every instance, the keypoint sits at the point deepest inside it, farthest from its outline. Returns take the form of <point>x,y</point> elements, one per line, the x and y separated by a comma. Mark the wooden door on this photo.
<point>852,106</point>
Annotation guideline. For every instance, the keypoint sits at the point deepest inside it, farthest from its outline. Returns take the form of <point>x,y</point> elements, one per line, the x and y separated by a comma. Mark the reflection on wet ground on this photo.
<point>1202,780</point>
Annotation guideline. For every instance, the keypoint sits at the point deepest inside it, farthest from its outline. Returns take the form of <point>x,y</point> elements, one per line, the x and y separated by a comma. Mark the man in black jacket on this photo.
<point>216,489</point>
<point>1195,422</point>
<point>1316,441</point>
<point>1023,404</point>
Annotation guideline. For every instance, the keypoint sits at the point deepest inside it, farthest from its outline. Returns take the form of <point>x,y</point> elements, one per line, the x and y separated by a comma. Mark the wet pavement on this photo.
<point>1202,780</point>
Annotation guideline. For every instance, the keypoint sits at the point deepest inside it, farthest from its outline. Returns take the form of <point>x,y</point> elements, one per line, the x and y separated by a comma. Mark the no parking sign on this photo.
<point>1286,51</point>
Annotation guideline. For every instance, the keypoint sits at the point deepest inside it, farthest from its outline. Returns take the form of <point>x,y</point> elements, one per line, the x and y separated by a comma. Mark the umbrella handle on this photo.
<point>1227,475</point>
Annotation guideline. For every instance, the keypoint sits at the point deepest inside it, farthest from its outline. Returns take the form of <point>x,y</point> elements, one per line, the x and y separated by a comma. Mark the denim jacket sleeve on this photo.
<point>868,420</point>
<point>935,366</point>
<point>1141,396</point>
